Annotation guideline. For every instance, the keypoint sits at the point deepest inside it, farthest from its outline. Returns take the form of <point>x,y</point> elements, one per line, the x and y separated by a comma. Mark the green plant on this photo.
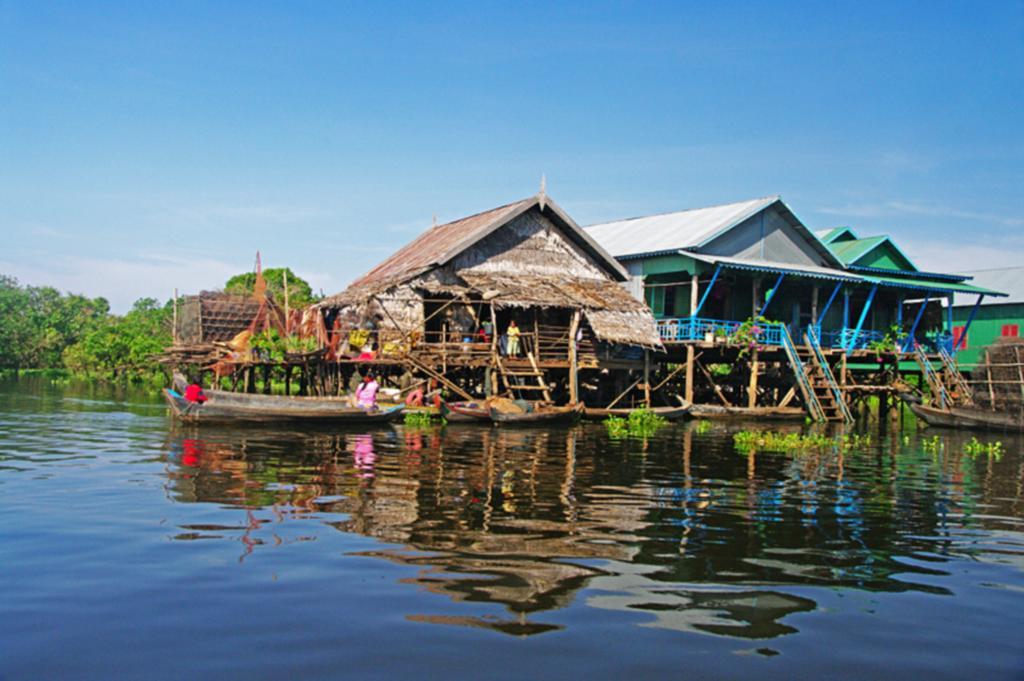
<point>420,419</point>
<point>991,449</point>
<point>750,441</point>
<point>747,334</point>
<point>702,426</point>
<point>640,423</point>
<point>891,342</point>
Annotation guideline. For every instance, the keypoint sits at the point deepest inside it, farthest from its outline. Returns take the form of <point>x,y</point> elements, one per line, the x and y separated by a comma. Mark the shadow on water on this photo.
<point>680,527</point>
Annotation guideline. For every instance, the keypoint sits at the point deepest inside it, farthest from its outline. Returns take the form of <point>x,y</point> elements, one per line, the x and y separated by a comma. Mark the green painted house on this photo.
<point>996,318</point>
<point>706,270</point>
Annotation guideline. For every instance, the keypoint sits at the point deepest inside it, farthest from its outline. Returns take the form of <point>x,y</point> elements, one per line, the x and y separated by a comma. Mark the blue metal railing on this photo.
<point>821,361</point>
<point>813,405</point>
<point>684,329</point>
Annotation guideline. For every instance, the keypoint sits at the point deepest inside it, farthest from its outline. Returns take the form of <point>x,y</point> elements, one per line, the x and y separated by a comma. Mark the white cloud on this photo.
<point>921,208</point>
<point>122,281</point>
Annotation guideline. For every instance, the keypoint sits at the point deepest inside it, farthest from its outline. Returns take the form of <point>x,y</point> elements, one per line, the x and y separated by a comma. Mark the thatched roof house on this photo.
<point>525,255</point>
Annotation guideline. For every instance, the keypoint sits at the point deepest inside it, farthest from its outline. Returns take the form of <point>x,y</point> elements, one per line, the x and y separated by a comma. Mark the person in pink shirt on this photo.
<point>366,393</point>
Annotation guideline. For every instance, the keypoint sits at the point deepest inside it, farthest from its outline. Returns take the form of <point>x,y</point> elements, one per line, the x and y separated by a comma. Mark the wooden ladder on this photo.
<point>957,388</point>
<point>823,381</point>
<point>517,382</point>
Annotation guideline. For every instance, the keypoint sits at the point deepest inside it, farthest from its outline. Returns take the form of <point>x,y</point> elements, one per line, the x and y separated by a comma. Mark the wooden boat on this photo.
<point>465,412</point>
<point>714,411</point>
<point>962,417</point>
<point>228,407</point>
<point>669,413</point>
<point>536,415</point>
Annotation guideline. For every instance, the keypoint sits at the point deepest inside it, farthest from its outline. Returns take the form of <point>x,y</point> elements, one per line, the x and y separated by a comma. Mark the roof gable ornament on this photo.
<point>542,195</point>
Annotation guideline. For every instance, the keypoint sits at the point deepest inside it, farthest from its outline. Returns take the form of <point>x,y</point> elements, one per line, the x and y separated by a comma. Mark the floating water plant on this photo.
<point>640,423</point>
<point>768,441</point>
<point>419,419</point>
<point>702,426</point>
<point>991,449</point>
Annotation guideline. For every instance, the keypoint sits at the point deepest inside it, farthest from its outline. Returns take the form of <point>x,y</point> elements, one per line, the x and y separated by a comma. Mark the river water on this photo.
<point>134,548</point>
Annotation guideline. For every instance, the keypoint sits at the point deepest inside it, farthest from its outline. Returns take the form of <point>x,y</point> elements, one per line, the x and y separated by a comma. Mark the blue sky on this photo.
<point>145,146</point>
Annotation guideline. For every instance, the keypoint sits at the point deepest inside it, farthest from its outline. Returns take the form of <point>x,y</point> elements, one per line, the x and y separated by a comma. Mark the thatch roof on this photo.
<point>419,263</point>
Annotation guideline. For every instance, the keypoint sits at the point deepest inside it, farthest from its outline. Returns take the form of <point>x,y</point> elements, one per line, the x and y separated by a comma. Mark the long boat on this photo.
<point>961,417</point>
<point>465,412</point>
<point>669,413</point>
<point>227,407</point>
<point>536,415</point>
<point>714,411</point>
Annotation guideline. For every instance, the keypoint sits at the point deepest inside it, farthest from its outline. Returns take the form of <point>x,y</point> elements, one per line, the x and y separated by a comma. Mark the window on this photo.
<point>958,331</point>
<point>1011,331</point>
<point>670,301</point>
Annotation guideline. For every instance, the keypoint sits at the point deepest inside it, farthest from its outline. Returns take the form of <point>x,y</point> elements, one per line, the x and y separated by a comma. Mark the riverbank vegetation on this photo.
<point>44,329</point>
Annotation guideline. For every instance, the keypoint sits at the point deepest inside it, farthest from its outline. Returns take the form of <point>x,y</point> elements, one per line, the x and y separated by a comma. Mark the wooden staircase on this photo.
<point>957,388</point>
<point>517,380</point>
<point>802,373</point>
<point>823,381</point>
<point>948,386</point>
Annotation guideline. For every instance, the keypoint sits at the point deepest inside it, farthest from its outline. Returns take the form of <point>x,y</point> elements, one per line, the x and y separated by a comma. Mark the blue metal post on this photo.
<point>846,309</point>
<point>899,312</point>
<point>949,314</point>
<point>970,318</point>
<point>917,320</point>
<point>771,294</point>
<point>718,268</point>
<point>863,316</point>
<point>824,311</point>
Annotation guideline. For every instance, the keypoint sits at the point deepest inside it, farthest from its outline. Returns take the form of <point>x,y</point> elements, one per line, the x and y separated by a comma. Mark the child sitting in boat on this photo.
<point>194,393</point>
<point>366,393</point>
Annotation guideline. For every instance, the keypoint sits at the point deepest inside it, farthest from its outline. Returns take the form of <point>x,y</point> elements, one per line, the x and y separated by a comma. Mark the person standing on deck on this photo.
<point>366,393</point>
<point>513,339</point>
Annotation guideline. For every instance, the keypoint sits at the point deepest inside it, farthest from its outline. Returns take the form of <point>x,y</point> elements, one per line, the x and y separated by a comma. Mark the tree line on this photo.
<point>42,328</point>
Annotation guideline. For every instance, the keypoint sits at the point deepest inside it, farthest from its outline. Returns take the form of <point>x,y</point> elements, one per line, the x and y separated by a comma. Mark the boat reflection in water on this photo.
<point>682,529</point>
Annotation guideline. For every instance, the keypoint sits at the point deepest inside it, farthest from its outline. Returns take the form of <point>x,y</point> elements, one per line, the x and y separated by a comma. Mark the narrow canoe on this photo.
<point>226,407</point>
<point>958,417</point>
<point>537,415</point>
<point>669,413</point>
<point>714,411</point>
<point>465,412</point>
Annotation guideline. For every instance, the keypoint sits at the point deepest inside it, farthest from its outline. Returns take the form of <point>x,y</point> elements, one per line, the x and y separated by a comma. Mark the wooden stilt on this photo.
<point>647,378</point>
<point>752,387</point>
<point>573,363</point>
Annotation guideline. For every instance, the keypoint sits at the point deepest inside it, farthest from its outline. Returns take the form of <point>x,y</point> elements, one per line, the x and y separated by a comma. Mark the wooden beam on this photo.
<point>711,380</point>
<point>625,392</point>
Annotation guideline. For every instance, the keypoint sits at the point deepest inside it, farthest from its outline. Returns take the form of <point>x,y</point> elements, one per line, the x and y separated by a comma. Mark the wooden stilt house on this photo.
<point>442,307</point>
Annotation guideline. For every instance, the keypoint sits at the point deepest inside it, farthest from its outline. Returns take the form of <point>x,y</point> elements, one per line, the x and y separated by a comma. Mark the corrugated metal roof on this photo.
<point>775,267</point>
<point>1007,279</point>
<point>931,285</point>
<point>674,231</point>
<point>850,251</point>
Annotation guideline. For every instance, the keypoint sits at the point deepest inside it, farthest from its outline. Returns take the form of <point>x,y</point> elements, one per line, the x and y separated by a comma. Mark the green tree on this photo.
<point>123,346</point>
<point>15,323</point>
<point>299,292</point>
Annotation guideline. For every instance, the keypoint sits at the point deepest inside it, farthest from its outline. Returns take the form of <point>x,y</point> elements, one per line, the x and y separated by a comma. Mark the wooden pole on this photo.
<point>814,306</point>
<point>988,375</point>
<point>752,388</point>
<point>284,277</point>
<point>573,365</point>
<point>690,352</point>
<point>174,329</point>
<point>647,378</point>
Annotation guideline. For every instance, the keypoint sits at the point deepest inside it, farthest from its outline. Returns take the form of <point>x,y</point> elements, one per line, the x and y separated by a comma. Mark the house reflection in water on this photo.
<point>684,529</point>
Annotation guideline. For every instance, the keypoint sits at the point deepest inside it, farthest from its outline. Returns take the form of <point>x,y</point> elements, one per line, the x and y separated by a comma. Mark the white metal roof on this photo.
<point>1007,279</point>
<point>674,231</point>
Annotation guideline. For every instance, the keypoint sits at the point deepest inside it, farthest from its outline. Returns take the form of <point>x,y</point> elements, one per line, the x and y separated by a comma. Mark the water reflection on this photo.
<point>681,528</point>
